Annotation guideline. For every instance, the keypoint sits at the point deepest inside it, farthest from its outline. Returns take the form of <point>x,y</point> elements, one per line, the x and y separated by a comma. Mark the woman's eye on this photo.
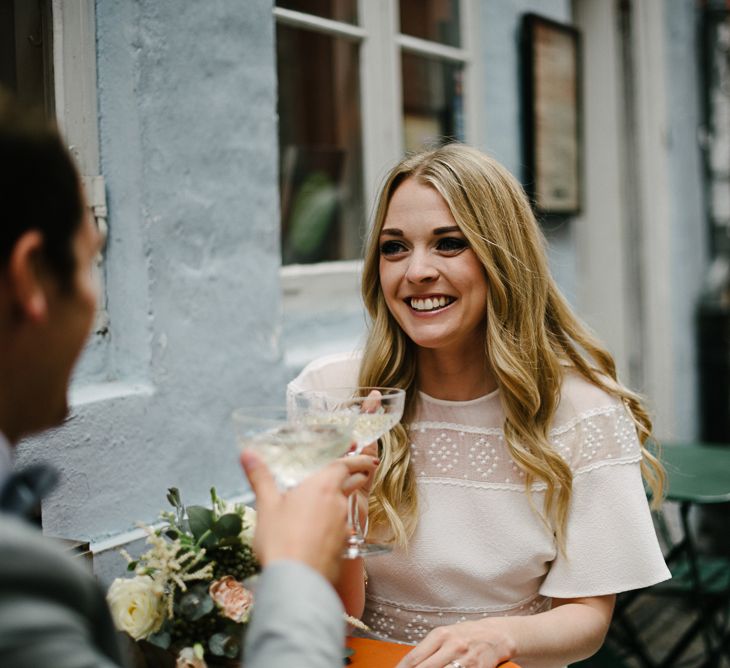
<point>452,244</point>
<point>391,247</point>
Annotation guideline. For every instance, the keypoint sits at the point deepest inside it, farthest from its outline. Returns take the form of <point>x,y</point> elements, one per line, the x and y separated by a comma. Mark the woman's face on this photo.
<point>432,281</point>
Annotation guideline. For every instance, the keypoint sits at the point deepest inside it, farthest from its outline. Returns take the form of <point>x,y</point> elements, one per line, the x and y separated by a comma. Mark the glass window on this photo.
<point>323,155</point>
<point>26,53</point>
<point>338,10</point>
<point>322,212</point>
<point>433,20</point>
<point>433,112</point>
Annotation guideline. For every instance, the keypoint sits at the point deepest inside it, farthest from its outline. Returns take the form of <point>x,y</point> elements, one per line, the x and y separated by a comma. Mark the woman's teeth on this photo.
<point>430,303</point>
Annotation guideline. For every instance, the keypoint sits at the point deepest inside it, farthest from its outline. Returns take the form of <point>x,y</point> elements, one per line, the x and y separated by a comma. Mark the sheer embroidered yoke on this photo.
<point>480,548</point>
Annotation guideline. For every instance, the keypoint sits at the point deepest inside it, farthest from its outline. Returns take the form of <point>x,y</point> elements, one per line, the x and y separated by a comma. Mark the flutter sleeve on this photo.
<point>611,545</point>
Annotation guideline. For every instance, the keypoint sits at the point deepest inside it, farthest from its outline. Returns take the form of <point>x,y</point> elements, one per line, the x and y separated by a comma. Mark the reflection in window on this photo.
<point>433,20</point>
<point>322,209</point>
<point>433,112</point>
<point>26,52</point>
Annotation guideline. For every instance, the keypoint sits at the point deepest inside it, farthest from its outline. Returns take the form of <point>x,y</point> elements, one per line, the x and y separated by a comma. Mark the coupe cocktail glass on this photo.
<point>292,448</point>
<point>371,413</point>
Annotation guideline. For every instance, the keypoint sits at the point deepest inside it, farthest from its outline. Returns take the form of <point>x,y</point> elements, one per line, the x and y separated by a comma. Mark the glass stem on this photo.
<point>354,519</point>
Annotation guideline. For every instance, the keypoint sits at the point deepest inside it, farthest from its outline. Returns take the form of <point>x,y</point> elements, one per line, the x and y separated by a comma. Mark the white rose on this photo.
<point>137,605</point>
<point>249,522</point>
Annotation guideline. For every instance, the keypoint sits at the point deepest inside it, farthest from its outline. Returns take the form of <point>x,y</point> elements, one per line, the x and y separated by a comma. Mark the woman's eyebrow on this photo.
<point>395,232</point>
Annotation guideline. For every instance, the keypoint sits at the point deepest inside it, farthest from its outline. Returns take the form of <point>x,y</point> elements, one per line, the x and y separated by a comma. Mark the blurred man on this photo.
<point>52,613</point>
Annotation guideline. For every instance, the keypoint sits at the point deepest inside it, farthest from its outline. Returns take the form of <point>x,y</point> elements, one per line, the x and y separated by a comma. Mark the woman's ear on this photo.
<point>26,277</point>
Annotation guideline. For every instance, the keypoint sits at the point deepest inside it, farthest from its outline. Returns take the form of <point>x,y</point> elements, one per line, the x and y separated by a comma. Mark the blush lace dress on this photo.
<point>480,549</point>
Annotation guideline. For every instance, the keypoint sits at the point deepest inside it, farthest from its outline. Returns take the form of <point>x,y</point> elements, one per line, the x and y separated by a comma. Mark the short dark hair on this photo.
<point>39,187</point>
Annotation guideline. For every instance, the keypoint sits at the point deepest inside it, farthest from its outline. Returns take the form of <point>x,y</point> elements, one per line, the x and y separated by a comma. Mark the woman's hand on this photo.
<point>479,644</point>
<point>572,630</point>
<point>306,523</point>
<point>370,405</point>
<point>363,491</point>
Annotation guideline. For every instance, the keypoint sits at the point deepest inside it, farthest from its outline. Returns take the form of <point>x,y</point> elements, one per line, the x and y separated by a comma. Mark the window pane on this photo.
<point>26,52</point>
<point>338,10</point>
<point>432,102</point>
<point>322,211</point>
<point>434,20</point>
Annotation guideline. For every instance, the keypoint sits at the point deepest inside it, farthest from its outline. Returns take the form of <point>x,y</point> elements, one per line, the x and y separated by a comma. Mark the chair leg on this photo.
<point>707,626</point>
<point>631,637</point>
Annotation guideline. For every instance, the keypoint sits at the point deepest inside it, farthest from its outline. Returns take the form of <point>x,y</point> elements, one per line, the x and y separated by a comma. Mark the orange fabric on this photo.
<point>380,654</point>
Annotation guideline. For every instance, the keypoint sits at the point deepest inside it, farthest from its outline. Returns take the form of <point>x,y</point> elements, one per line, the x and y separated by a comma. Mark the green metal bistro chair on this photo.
<point>697,475</point>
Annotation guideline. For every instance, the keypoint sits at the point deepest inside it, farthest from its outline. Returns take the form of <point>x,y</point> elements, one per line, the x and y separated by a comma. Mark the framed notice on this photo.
<point>552,115</point>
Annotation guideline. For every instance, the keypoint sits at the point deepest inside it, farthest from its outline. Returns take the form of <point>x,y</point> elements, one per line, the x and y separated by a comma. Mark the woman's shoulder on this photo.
<point>591,426</point>
<point>336,370</point>
<point>580,397</point>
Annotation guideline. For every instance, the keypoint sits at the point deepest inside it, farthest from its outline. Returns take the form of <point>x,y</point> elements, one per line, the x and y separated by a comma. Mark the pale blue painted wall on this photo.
<point>187,99</point>
<point>189,151</point>
<point>499,51</point>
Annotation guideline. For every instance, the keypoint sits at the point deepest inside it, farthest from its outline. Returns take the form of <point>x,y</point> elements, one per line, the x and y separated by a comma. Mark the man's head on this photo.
<point>39,187</point>
<point>47,292</point>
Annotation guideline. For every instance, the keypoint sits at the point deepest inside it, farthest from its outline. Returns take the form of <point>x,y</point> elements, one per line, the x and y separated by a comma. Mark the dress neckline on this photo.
<point>449,402</point>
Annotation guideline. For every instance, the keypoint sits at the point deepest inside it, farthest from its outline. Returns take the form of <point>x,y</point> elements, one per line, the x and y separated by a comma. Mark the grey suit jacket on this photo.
<point>297,620</point>
<point>52,612</point>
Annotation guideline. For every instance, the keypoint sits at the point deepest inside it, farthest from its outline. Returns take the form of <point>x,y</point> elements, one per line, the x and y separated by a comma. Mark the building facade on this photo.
<point>234,150</point>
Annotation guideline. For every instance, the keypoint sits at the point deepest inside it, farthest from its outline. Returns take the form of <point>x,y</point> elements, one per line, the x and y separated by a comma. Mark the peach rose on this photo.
<point>232,598</point>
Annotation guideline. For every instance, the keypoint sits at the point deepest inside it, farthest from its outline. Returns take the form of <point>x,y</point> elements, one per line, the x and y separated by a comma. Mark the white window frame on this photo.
<point>381,109</point>
<point>75,92</point>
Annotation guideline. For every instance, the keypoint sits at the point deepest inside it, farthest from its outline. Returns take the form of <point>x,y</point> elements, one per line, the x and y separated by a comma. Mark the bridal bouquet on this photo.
<point>186,595</point>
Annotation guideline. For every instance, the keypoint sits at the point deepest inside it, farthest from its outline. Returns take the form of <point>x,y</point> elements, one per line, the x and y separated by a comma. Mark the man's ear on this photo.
<point>25,275</point>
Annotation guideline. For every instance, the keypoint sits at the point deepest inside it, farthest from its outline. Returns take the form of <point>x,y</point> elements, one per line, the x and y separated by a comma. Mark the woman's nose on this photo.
<point>421,268</point>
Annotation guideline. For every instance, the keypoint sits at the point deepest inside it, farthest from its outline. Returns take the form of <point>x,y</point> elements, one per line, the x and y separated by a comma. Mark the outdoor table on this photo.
<point>697,474</point>
<point>380,654</point>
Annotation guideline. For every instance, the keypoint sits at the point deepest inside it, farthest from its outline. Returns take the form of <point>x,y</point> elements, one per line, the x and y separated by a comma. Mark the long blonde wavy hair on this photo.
<point>531,335</point>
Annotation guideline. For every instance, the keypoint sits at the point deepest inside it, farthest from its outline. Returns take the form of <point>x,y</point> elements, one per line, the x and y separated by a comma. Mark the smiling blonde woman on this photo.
<point>512,490</point>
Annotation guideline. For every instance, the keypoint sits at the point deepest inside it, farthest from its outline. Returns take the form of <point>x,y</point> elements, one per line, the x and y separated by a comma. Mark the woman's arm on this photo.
<point>351,584</point>
<point>351,587</point>
<point>572,630</point>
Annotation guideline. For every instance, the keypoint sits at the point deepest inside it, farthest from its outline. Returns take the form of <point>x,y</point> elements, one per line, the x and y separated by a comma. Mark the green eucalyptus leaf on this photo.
<point>131,566</point>
<point>160,639</point>
<point>228,525</point>
<point>195,603</point>
<point>224,644</point>
<point>200,519</point>
<point>229,541</point>
<point>208,540</point>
